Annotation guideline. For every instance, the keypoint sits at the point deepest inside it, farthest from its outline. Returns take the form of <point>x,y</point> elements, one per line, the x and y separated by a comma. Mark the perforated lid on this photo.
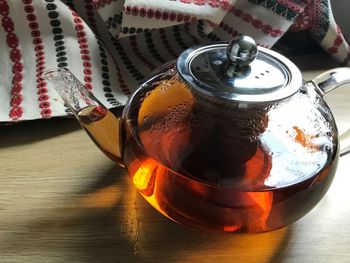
<point>239,71</point>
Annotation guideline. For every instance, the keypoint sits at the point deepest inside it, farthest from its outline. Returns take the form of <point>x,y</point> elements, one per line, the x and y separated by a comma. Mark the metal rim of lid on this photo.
<point>293,84</point>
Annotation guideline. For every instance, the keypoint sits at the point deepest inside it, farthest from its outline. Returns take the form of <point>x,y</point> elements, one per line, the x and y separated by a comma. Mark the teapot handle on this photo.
<point>328,81</point>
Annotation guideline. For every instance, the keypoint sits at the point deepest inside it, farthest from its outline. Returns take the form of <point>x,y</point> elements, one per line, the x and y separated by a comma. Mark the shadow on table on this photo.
<point>31,131</point>
<point>109,221</point>
<point>25,132</point>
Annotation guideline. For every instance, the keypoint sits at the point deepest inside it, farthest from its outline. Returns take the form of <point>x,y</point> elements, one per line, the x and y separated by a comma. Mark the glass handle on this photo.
<point>344,143</point>
<point>325,83</point>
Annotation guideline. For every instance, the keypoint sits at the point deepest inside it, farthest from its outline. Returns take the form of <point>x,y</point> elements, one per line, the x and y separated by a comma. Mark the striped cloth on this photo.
<point>112,45</point>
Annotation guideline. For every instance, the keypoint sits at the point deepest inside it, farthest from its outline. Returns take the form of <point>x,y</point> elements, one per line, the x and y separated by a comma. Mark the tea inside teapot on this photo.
<point>231,168</point>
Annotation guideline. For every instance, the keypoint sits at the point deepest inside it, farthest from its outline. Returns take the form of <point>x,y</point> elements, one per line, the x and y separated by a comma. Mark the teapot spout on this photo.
<point>100,124</point>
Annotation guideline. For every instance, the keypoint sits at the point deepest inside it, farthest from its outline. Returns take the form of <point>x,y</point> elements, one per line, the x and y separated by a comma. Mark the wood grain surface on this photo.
<point>61,200</point>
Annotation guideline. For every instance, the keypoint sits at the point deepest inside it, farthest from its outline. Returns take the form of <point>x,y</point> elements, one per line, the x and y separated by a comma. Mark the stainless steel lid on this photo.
<point>239,71</point>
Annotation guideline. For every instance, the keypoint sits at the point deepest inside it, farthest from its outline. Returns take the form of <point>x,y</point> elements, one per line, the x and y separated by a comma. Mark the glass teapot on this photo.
<point>228,137</point>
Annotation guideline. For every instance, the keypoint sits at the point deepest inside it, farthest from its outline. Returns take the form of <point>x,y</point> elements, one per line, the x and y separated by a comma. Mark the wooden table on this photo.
<point>61,200</point>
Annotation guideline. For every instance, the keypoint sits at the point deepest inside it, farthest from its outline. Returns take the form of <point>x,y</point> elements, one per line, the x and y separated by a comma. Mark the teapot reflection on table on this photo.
<point>228,137</point>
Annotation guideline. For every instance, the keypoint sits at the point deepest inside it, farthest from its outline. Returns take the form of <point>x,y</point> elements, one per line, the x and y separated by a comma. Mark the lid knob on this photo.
<point>241,50</point>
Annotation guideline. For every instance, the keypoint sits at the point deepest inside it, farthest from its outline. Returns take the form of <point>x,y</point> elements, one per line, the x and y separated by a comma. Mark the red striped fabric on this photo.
<point>112,45</point>
<point>39,51</point>
<point>257,23</point>
<point>84,50</point>
<point>15,54</point>
<point>223,4</point>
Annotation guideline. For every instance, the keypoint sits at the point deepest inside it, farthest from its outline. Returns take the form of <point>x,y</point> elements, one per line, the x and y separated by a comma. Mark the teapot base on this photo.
<point>215,208</point>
